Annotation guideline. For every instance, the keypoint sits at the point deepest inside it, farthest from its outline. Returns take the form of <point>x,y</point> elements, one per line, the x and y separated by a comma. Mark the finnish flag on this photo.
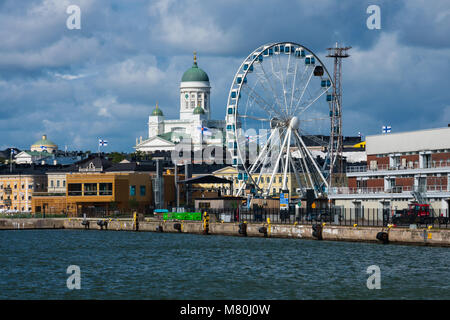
<point>386,129</point>
<point>102,142</point>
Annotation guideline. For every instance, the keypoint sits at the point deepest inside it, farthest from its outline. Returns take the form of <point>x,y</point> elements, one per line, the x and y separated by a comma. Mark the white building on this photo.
<point>195,118</point>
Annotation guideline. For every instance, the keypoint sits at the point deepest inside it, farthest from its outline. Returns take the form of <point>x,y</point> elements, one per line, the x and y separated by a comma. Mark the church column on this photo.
<point>196,99</point>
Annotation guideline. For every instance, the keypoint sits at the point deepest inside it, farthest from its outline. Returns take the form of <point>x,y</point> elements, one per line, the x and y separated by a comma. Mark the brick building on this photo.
<point>401,168</point>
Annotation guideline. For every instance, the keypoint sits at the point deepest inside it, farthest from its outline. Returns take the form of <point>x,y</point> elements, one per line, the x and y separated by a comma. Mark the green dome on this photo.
<point>44,142</point>
<point>157,111</point>
<point>199,110</point>
<point>195,73</point>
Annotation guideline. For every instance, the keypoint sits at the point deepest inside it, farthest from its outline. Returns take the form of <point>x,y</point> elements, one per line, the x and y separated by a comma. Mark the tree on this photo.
<point>116,157</point>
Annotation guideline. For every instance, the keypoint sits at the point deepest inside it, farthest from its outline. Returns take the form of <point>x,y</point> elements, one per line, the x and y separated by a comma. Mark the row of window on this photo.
<point>52,185</point>
<point>90,189</point>
<point>30,186</point>
<point>142,190</point>
<point>15,197</point>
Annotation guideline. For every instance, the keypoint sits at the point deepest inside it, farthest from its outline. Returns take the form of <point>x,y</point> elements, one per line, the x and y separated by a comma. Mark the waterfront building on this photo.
<point>17,187</point>
<point>96,185</point>
<point>194,124</point>
<point>400,168</point>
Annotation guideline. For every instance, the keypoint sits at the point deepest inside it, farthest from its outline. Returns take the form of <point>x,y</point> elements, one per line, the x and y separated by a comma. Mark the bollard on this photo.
<point>317,231</point>
<point>263,230</point>
<point>243,228</point>
<point>383,237</point>
<point>205,223</point>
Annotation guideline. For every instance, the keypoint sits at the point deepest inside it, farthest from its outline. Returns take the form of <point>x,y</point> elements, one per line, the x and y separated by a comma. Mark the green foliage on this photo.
<point>116,157</point>
<point>133,203</point>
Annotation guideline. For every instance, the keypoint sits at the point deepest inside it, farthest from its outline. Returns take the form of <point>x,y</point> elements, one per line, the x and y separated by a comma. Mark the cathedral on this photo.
<point>194,125</point>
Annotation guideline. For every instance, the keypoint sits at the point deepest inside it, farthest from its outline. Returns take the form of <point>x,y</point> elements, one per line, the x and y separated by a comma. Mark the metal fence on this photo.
<point>334,216</point>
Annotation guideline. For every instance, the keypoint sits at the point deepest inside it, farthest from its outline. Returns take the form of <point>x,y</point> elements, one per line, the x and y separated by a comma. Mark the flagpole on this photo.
<point>10,160</point>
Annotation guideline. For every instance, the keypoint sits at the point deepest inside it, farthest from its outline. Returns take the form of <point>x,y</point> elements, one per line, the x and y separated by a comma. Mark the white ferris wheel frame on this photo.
<point>292,133</point>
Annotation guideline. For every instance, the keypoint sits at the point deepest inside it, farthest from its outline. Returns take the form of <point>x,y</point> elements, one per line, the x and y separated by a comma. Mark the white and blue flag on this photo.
<point>386,129</point>
<point>204,130</point>
<point>43,148</point>
<point>102,142</point>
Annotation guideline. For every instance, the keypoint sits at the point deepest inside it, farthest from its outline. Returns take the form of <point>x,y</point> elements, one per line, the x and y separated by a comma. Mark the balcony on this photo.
<point>396,189</point>
<point>386,167</point>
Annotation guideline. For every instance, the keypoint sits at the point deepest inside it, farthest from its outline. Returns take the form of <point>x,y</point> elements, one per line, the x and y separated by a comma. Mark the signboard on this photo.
<point>284,201</point>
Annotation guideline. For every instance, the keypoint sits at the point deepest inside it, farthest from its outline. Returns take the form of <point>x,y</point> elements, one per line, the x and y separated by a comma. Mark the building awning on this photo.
<point>206,179</point>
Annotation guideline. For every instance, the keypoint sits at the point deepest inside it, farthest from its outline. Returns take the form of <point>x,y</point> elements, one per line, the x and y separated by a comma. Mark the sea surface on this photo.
<point>146,265</point>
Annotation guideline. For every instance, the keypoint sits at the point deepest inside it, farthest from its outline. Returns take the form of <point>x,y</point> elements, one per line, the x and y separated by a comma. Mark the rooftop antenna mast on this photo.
<point>337,167</point>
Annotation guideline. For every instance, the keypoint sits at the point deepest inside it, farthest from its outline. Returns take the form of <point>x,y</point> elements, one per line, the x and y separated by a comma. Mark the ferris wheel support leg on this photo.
<point>278,160</point>
<point>297,177</point>
<point>286,165</point>
<point>312,159</point>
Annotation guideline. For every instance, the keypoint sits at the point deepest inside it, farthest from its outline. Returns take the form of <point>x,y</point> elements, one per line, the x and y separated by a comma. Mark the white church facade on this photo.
<point>195,122</point>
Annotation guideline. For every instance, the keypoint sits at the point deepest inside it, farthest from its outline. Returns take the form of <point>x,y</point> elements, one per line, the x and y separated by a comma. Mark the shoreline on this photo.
<point>419,236</point>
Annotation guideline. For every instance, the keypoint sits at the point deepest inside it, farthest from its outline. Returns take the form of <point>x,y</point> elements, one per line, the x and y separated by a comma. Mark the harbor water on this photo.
<point>146,265</point>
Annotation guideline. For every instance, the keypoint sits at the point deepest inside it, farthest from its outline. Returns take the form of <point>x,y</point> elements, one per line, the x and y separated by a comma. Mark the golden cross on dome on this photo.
<point>195,57</point>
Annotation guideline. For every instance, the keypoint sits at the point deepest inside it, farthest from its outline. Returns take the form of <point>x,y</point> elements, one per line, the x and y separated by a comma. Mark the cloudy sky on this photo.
<point>104,80</point>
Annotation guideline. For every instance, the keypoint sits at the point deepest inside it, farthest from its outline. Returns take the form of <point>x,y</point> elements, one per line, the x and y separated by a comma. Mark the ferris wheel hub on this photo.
<point>293,123</point>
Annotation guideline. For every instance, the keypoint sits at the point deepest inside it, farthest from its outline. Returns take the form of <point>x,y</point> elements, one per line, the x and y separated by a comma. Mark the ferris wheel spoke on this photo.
<point>293,85</point>
<point>310,103</point>
<point>252,117</point>
<point>270,84</point>
<point>303,91</point>
<point>282,80</point>
<point>259,100</point>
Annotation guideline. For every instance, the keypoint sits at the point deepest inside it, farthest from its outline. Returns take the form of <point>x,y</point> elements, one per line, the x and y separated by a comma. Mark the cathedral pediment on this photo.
<point>154,142</point>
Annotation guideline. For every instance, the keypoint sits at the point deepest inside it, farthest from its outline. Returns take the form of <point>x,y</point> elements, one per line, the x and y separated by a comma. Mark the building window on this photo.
<point>64,183</point>
<point>142,190</point>
<point>132,190</point>
<point>90,189</point>
<point>51,183</point>
<point>74,189</point>
<point>57,183</point>
<point>105,189</point>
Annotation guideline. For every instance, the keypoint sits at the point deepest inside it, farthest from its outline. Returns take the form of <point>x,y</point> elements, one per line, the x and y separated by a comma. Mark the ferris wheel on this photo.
<point>279,116</point>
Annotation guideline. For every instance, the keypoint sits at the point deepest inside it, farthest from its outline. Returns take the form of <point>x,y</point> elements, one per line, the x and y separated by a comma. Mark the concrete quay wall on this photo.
<point>433,237</point>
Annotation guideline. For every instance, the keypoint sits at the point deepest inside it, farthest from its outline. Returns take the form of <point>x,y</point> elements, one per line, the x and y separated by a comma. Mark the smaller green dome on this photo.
<point>157,111</point>
<point>199,110</point>
<point>44,142</point>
